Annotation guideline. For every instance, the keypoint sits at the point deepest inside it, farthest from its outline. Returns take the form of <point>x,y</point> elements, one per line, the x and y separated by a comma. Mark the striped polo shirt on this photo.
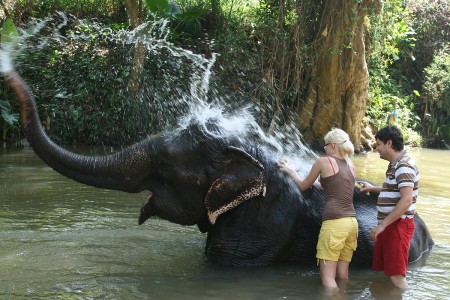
<point>402,173</point>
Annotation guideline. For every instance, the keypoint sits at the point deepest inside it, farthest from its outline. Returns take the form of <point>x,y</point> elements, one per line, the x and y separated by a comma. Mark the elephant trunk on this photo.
<point>122,171</point>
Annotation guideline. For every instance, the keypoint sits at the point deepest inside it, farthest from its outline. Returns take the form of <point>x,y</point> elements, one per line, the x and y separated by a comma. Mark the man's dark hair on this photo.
<point>392,133</point>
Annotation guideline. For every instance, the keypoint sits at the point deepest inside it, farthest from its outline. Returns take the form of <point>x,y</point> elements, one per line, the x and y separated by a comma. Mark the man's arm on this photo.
<point>367,187</point>
<point>406,194</point>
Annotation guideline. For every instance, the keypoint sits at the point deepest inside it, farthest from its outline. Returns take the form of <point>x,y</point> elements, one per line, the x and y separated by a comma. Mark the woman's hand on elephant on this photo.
<point>285,166</point>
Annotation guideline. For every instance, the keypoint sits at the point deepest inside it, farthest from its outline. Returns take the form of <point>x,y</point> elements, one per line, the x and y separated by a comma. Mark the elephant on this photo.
<point>226,184</point>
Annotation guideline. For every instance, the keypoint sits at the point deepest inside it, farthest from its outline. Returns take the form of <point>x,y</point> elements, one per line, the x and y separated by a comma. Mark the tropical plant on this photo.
<point>8,34</point>
<point>163,8</point>
<point>101,10</point>
<point>9,119</point>
<point>436,95</point>
<point>430,20</point>
<point>392,41</point>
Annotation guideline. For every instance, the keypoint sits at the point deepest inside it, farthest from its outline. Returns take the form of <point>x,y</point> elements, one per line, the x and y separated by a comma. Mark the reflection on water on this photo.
<point>63,239</point>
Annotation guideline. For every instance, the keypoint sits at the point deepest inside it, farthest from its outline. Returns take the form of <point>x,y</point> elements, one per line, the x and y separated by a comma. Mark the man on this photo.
<point>396,207</point>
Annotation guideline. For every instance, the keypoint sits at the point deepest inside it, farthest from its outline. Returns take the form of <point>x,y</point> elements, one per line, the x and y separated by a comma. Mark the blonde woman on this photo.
<point>339,230</point>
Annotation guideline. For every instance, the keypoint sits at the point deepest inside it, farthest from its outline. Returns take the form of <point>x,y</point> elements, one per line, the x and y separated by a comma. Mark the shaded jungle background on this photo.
<point>298,62</point>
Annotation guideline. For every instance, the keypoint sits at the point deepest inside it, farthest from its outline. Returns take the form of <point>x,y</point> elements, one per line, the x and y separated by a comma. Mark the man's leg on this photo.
<point>396,259</point>
<point>399,281</point>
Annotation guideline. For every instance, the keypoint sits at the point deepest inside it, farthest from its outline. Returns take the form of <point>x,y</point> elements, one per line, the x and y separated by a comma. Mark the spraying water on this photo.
<point>5,62</point>
<point>190,95</point>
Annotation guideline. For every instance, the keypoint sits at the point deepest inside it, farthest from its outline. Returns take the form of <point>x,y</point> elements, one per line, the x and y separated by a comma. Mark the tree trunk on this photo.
<point>337,92</point>
<point>134,11</point>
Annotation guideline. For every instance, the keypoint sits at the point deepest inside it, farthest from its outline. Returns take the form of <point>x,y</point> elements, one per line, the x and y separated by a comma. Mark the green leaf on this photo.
<point>158,6</point>
<point>8,31</point>
<point>4,105</point>
<point>416,93</point>
<point>9,118</point>
<point>174,9</point>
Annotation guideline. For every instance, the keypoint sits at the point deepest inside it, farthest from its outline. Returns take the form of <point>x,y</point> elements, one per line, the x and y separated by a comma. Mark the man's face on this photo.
<point>383,149</point>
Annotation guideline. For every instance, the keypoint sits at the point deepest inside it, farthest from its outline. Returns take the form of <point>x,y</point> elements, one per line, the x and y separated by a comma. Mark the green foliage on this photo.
<point>163,8</point>
<point>158,6</point>
<point>430,19</point>
<point>9,120</point>
<point>437,94</point>
<point>187,18</point>
<point>101,10</point>
<point>81,89</point>
<point>412,138</point>
<point>431,23</point>
<point>392,41</point>
<point>190,20</point>
<point>251,42</point>
<point>8,32</point>
<point>437,82</point>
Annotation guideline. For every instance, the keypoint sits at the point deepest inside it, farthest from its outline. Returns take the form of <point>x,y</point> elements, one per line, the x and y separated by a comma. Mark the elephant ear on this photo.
<point>241,179</point>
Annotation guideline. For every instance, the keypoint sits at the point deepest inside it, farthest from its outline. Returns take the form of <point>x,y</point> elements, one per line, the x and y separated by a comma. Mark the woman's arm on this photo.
<point>285,166</point>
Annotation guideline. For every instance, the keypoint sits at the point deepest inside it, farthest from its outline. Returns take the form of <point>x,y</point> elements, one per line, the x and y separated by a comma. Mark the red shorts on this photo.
<point>392,247</point>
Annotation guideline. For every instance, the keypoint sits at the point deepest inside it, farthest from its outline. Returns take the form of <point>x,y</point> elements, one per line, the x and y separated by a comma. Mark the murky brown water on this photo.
<point>60,239</point>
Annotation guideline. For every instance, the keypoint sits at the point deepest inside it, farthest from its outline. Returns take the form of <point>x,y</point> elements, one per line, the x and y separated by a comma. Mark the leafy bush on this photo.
<point>8,119</point>
<point>392,40</point>
<point>81,82</point>
<point>101,10</point>
<point>412,138</point>
<point>436,95</point>
<point>430,20</point>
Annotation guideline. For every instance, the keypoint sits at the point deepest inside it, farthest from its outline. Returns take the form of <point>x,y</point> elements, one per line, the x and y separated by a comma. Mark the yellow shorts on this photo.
<point>338,239</point>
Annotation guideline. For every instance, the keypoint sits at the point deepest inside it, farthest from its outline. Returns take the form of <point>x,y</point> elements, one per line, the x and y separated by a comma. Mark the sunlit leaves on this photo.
<point>158,6</point>
<point>8,31</point>
<point>392,40</point>
<point>163,7</point>
<point>437,83</point>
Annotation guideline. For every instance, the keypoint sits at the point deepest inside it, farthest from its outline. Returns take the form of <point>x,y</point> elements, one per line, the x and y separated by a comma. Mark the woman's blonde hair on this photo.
<point>342,141</point>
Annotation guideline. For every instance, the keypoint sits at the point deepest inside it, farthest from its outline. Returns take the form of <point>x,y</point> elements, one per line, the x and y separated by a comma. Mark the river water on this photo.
<point>63,240</point>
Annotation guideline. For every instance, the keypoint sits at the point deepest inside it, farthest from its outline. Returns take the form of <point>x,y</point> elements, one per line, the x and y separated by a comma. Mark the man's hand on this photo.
<point>376,231</point>
<point>366,187</point>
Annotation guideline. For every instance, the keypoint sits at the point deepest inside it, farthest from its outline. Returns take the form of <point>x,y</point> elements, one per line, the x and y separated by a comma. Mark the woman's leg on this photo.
<point>342,269</point>
<point>328,273</point>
